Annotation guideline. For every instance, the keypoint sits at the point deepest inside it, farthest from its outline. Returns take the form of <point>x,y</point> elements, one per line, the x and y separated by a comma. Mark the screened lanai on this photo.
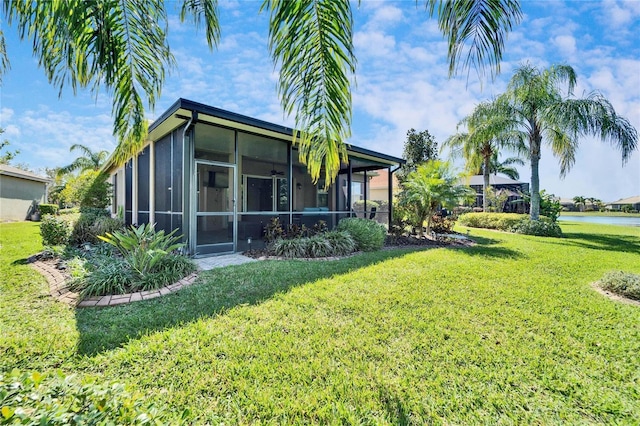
<point>220,178</point>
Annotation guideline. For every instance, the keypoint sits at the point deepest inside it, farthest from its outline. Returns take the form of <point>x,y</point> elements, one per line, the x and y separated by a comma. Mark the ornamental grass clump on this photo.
<point>367,234</point>
<point>342,243</point>
<point>622,283</point>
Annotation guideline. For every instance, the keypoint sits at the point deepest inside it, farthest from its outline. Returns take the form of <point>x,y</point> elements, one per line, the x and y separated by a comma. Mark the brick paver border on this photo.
<point>59,290</point>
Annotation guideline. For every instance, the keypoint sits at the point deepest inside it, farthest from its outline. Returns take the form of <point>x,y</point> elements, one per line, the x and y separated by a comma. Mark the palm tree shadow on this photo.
<point>486,247</point>
<point>397,413</point>
<point>217,291</point>
<point>607,242</point>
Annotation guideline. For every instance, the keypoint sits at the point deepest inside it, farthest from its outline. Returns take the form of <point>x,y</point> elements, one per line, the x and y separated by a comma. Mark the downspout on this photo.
<point>190,178</point>
<point>391,172</point>
<point>349,180</point>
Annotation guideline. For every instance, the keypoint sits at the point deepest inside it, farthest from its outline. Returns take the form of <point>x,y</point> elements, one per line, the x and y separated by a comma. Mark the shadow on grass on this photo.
<point>395,408</point>
<point>215,292</point>
<point>485,247</point>
<point>219,290</point>
<point>617,243</point>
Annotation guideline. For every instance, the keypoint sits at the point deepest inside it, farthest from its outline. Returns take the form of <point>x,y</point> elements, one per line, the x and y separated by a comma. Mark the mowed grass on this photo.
<point>508,331</point>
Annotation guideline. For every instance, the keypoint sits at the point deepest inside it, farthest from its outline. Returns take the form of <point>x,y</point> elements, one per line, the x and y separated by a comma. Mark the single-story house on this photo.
<point>568,204</point>
<point>515,203</point>
<point>220,177</point>
<point>634,202</point>
<point>20,192</point>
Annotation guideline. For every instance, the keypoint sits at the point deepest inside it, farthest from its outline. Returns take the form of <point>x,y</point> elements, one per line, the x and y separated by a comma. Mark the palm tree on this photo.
<point>431,185</point>
<point>122,46</point>
<point>535,106</point>
<point>91,160</point>
<point>504,167</point>
<point>579,201</point>
<point>482,143</point>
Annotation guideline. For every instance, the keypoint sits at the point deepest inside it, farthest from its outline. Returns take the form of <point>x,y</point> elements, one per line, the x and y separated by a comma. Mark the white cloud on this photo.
<point>5,115</point>
<point>373,43</point>
<point>45,136</point>
<point>566,44</point>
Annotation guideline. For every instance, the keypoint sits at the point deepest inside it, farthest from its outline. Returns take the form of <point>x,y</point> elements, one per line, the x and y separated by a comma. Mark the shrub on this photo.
<point>367,234</point>
<point>623,283</point>
<point>290,248</point>
<point>342,243</point>
<point>273,230</point>
<point>48,209</point>
<point>109,277</point>
<point>318,246</point>
<point>442,225</point>
<point>84,230</point>
<point>169,270</point>
<point>54,231</point>
<point>541,228</point>
<point>143,248</point>
<point>72,210</point>
<point>499,221</point>
<point>549,206</point>
<point>36,399</point>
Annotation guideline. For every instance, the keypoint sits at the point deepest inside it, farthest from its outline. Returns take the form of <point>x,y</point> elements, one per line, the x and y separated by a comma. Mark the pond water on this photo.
<point>605,220</point>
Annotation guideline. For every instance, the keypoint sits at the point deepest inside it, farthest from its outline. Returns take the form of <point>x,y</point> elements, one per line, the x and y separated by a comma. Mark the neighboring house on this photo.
<point>568,204</point>
<point>515,203</point>
<point>20,191</point>
<point>634,202</point>
<point>379,185</point>
<point>220,177</point>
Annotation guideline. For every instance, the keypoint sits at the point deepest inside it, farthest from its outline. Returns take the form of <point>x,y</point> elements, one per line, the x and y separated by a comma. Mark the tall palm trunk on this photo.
<point>485,189</point>
<point>536,144</point>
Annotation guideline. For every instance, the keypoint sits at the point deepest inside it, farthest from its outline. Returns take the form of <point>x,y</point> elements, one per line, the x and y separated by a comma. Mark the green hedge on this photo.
<point>499,221</point>
<point>48,209</point>
<point>511,222</point>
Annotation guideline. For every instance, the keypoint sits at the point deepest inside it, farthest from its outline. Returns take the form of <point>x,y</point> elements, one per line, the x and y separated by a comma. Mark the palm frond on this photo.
<point>116,44</point>
<point>203,12</point>
<point>4,59</point>
<point>594,115</point>
<point>312,41</point>
<point>475,29</point>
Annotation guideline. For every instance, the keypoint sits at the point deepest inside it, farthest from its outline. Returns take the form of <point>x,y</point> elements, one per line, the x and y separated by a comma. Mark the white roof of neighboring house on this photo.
<point>567,201</point>
<point>493,180</point>
<point>630,200</point>
<point>21,174</point>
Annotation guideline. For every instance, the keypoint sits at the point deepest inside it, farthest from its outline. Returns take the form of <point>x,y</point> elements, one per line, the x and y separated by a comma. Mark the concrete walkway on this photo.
<point>207,263</point>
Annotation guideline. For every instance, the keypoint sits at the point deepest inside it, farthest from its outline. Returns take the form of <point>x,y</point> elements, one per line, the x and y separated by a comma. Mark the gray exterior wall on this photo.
<point>17,196</point>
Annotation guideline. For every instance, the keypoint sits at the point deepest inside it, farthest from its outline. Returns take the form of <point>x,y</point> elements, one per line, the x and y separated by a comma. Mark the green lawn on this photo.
<point>508,331</point>
<point>605,213</point>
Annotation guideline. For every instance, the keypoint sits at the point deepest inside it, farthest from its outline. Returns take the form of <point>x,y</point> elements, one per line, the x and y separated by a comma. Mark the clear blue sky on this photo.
<point>401,83</point>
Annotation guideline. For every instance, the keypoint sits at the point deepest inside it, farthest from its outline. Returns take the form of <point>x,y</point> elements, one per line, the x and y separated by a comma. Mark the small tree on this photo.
<point>89,189</point>
<point>419,148</point>
<point>429,187</point>
<point>497,199</point>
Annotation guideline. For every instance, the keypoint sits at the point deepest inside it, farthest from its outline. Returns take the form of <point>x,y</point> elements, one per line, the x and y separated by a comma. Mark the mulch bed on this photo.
<point>411,241</point>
